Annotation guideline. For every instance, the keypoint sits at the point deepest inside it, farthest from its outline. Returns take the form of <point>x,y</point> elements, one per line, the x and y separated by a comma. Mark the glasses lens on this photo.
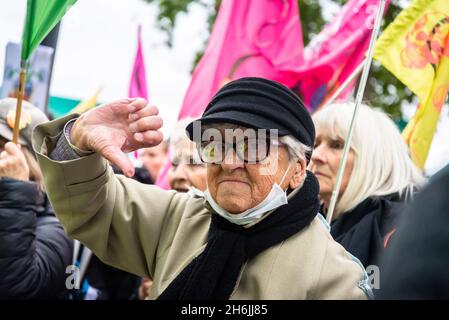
<point>211,152</point>
<point>252,150</point>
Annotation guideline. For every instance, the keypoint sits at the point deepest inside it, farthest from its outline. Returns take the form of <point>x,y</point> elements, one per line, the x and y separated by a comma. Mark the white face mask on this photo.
<point>275,198</point>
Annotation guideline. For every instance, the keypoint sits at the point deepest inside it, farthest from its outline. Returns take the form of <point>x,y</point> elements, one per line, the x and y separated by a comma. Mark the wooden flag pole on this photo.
<point>358,102</point>
<point>16,129</point>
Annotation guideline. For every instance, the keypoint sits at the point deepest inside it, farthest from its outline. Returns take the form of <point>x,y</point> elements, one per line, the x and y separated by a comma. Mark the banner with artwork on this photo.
<point>37,78</point>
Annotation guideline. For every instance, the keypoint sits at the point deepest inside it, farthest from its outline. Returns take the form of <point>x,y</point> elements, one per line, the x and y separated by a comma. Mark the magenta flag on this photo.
<point>264,38</point>
<point>260,38</point>
<point>336,52</point>
<point>138,83</point>
<point>162,178</point>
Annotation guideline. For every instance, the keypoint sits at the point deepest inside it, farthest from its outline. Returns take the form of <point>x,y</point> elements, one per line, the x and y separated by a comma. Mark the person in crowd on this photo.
<point>153,159</point>
<point>415,265</point>
<point>255,233</point>
<point>100,281</point>
<point>379,177</point>
<point>187,170</point>
<point>34,250</point>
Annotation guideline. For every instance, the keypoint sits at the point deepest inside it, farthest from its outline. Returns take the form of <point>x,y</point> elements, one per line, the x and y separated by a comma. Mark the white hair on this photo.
<point>296,149</point>
<point>382,164</point>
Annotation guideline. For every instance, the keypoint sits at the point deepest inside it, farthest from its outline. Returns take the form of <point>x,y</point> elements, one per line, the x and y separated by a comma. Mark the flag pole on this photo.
<point>358,102</point>
<point>16,130</point>
<point>344,85</point>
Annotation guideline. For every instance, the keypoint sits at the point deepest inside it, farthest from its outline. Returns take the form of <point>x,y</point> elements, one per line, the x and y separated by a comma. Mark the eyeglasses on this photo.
<point>249,150</point>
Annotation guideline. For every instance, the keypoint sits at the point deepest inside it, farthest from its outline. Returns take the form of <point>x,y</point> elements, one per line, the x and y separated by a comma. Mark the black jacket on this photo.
<point>104,282</point>
<point>365,230</point>
<point>34,250</point>
<point>416,263</point>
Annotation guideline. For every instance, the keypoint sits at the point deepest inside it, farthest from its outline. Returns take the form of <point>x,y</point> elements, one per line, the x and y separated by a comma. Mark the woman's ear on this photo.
<point>299,175</point>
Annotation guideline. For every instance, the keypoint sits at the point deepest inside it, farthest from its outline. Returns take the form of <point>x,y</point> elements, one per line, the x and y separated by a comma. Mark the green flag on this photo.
<point>41,17</point>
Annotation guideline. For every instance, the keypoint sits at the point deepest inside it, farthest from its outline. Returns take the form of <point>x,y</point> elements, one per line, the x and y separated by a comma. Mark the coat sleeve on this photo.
<point>34,250</point>
<point>125,223</point>
<point>342,276</point>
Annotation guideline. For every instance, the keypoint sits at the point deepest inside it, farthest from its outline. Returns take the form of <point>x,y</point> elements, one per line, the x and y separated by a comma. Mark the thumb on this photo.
<point>118,158</point>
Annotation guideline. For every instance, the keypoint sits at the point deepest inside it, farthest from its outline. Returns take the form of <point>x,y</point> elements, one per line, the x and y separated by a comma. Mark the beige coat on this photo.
<point>151,232</point>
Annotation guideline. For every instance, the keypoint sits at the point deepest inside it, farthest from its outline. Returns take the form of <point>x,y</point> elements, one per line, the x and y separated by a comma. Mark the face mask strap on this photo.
<point>285,173</point>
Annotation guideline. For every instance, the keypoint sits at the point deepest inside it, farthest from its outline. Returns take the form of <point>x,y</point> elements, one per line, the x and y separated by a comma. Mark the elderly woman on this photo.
<point>187,171</point>
<point>254,235</point>
<point>379,177</point>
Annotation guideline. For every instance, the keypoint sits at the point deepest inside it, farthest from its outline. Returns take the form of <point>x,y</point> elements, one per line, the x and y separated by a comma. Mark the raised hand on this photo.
<point>118,127</point>
<point>13,163</point>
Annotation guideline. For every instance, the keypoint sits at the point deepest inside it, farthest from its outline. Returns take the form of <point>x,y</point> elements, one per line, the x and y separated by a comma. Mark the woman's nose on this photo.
<point>319,155</point>
<point>179,172</point>
<point>231,161</point>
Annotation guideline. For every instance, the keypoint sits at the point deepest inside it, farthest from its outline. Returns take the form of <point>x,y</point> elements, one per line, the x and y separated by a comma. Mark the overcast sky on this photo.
<point>97,44</point>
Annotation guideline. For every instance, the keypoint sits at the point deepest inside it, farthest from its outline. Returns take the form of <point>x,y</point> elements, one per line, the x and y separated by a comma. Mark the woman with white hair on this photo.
<point>379,177</point>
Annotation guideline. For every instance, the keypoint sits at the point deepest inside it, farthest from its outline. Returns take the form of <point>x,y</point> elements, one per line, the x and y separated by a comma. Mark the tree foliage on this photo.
<point>383,89</point>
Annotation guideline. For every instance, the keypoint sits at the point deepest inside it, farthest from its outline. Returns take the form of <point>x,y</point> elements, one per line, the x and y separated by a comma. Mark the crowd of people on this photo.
<point>251,180</point>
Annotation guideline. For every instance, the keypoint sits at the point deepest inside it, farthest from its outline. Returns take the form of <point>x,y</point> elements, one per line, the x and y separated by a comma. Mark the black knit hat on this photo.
<point>260,104</point>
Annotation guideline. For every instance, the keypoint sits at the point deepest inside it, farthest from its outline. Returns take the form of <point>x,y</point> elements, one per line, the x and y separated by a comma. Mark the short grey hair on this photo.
<point>296,149</point>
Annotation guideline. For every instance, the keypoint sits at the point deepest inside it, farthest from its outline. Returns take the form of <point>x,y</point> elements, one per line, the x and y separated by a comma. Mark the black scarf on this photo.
<point>362,230</point>
<point>213,274</point>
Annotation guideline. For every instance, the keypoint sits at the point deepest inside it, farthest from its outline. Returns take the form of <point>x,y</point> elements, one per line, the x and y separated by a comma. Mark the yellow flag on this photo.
<point>415,48</point>
<point>86,105</point>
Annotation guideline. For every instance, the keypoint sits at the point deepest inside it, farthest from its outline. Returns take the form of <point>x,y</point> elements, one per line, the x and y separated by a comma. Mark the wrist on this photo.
<point>77,136</point>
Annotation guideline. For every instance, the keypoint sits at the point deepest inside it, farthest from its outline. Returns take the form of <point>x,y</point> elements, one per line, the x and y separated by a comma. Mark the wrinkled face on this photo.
<point>325,161</point>
<point>187,169</point>
<point>237,186</point>
<point>153,159</point>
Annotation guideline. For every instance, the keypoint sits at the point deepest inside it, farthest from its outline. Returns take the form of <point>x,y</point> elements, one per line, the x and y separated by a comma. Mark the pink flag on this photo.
<point>162,178</point>
<point>250,38</point>
<point>260,38</point>
<point>336,52</point>
<point>138,83</point>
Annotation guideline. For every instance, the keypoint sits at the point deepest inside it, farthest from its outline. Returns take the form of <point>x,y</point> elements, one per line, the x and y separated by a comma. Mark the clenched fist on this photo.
<point>118,127</point>
<point>13,163</point>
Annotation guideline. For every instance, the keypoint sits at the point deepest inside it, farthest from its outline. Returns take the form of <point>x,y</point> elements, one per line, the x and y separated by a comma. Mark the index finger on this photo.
<point>137,104</point>
<point>122,107</point>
